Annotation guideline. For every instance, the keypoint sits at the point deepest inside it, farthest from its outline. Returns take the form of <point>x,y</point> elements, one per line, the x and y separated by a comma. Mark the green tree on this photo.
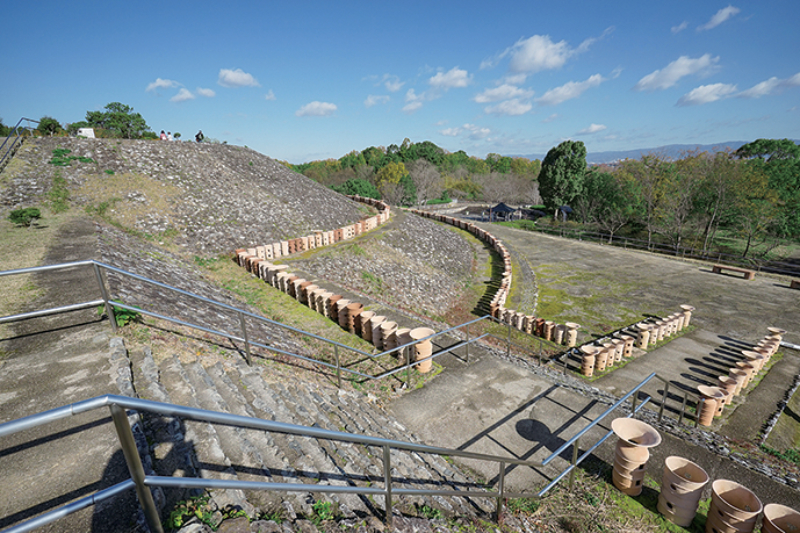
<point>498,163</point>
<point>780,161</point>
<point>608,200</point>
<point>358,187</point>
<point>561,177</point>
<point>770,149</point>
<point>48,126</point>
<point>120,120</point>
<point>4,130</point>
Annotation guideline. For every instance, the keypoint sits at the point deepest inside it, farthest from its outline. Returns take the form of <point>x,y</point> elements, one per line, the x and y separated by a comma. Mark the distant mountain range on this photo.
<point>670,151</point>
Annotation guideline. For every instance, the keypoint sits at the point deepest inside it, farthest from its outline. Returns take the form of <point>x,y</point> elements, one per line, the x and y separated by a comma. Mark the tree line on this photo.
<point>418,173</point>
<point>115,121</point>
<point>752,193</point>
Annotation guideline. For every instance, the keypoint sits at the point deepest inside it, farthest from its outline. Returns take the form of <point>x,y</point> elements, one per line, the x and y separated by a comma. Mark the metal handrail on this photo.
<point>242,336</point>
<point>16,135</point>
<point>141,482</point>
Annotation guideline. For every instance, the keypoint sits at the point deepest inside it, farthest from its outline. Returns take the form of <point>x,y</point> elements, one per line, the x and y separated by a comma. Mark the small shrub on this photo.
<point>523,505</point>
<point>322,511</point>
<point>188,509</point>
<point>430,513</point>
<point>25,217</point>
<point>58,194</point>
<point>122,316</point>
<point>109,172</point>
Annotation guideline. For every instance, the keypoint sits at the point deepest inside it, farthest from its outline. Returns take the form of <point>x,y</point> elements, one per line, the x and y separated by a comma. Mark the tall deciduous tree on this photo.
<point>561,177</point>
<point>120,120</point>
<point>48,126</point>
<point>427,180</point>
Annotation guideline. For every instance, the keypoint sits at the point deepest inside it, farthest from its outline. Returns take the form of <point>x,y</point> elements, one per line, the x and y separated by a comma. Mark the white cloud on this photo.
<point>270,96</point>
<point>453,78</point>
<point>706,94</point>
<point>375,100</point>
<point>183,95</point>
<point>680,27</point>
<point>593,128</point>
<point>669,75</point>
<point>413,101</point>
<point>719,17</point>
<point>162,84</point>
<point>538,53</point>
<point>236,78</point>
<point>392,83</point>
<point>316,109</point>
<point>551,118</point>
<point>569,90</point>
<point>513,107</point>
<point>769,86</point>
<point>502,92</point>
<point>469,130</point>
<point>208,93</point>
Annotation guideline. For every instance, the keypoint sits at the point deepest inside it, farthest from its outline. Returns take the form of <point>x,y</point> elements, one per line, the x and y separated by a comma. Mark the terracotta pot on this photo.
<point>619,349</point>
<point>629,340</point>
<point>728,384</point>
<point>660,330</point>
<point>589,353</point>
<point>549,326</point>
<point>740,376</point>
<point>307,291</point>
<point>611,353</point>
<point>601,359</point>
<point>635,437</point>
<point>422,349</point>
<point>403,337</point>
<point>375,325</point>
<point>756,359</point>
<point>714,400</point>
<point>681,489</point>
<point>341,311</point>
<point>351,312</point>
<point>642,336</point>
<point>558,334</point>
<point>333,308</point>
<point>687,314</point>
<point>572,334</point>
<point>635,432</point>
<point>733,507</point>
<point>366,329</point>
<point>388,329</point>
<point>780,519</point>
<point>750,369</point>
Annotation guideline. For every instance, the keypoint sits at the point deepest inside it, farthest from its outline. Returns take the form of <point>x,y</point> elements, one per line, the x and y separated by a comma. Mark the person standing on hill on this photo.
<point>169,136</point>
<point>199,137</point>
<point>163,136</point>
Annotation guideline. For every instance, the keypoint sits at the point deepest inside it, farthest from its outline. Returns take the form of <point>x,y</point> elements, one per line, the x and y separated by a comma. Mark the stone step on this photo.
<point>211,461</point>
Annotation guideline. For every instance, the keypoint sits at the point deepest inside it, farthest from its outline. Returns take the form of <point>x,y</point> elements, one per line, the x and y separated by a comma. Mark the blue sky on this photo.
<point>312,80</point>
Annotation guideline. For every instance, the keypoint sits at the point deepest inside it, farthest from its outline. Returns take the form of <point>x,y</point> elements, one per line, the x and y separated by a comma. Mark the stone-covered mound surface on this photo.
<point>210,198</point>
<point>411,262</point>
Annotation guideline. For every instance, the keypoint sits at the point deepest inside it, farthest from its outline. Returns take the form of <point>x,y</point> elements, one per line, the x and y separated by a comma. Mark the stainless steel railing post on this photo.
<point>633,402</point>
<point>508,343</point>
<point>387,481</point>
<point>575,450</point>
<point>683,408</point>
<point>466,347</point>
<point>104,293</point>
<point>135,467</point>
<point>338,367</point>
<point>501,492</point>
<point>246,341</point>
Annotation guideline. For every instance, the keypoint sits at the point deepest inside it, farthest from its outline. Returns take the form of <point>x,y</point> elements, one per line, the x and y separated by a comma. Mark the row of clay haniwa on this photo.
<point>278,249</point>
<point>607,352</point>
<point>383,333</point>
<point>714,399</point>
<point>734,508</point>
<point>565,334</point>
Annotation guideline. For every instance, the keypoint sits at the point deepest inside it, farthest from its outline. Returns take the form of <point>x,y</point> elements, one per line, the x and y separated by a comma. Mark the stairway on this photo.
<point>227,384</point>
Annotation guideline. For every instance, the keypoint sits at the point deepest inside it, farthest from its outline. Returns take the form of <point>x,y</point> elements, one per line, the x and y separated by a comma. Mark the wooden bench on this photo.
<point>795,284</point>
<point>748,274</point>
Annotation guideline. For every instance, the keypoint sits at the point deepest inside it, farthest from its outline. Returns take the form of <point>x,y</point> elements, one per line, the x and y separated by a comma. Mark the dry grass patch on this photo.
<point>130,198</point>
<point>23,248</point>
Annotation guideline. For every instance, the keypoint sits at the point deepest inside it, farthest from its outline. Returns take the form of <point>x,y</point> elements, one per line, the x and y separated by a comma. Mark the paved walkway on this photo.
<point>51,362</point>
